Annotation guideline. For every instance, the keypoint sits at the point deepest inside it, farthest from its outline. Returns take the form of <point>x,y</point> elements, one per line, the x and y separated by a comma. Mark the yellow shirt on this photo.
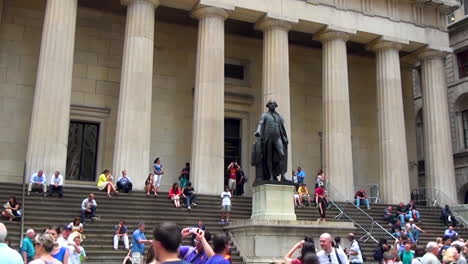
<point>302,190</point>
<point>102,179</point>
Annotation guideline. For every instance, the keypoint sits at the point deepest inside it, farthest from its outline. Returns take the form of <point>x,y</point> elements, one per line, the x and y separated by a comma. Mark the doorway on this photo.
<point>232,144</point>
<point>83,138</point>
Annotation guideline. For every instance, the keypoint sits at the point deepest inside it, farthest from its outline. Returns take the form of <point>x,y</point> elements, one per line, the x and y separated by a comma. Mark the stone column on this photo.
<point>438,145</point>
<point>394,179</point>
<point>275,77</point>
<point>337,151</point>
<point>48,134</point>
<point>208,110</point>
<point>132,141</point>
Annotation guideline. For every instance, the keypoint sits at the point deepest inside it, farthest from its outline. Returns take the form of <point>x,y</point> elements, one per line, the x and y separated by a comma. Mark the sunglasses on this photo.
<point>37,244</point>
<point>329,259</point>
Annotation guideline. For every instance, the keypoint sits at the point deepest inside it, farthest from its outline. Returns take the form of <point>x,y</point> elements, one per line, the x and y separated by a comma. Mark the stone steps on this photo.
<point>135,207</point>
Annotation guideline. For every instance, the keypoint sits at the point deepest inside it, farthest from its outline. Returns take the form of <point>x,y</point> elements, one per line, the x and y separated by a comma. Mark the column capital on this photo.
<point>333,32</point>
<point>266,23</point>
<point>382,43</point>
<point>431,54</point>
<point>209,11</point>
<point>128,2</point>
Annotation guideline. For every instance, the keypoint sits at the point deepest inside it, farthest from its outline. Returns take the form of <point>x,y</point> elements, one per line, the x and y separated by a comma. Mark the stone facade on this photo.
<point>97,66</point>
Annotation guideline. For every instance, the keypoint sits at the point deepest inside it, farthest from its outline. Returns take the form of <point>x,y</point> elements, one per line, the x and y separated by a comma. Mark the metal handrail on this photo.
<point>435,197</point>
<point>374,224</point>
<point>22,206</point>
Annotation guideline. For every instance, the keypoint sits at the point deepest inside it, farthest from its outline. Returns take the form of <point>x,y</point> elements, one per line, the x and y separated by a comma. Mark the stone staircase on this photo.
<point>41,212</point>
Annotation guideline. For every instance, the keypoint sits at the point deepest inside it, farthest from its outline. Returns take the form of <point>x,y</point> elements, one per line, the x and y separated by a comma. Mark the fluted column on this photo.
<point>394,177</point>
<point>208,111</point>
<point>48,134</point>
<point>338,158</point>
<point>438,146</point>
<point>275,78</point>
<point>132,141</point>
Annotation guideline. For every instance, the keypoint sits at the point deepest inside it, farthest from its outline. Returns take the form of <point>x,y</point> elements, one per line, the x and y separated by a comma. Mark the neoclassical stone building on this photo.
<point>88,85</point>
<point>457,91</point>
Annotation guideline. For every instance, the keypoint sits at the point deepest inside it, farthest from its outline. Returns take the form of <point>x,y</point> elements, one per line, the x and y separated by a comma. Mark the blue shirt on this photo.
<point>9,256</point>
<point>123,229</point>
<point>300,175</point>
<point>136,246</point>
<point>217,259</point>
<point>190,254</point>
<point>35,178</point>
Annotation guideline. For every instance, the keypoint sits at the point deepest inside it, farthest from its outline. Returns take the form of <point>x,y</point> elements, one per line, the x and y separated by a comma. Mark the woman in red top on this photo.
<point>174,194</point>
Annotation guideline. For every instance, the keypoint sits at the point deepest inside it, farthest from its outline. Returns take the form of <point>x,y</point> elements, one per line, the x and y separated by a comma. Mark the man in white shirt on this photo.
<point>88,208</point>
<point>39,181</point>
<point>354,251</point>
<point>329,254</point>
<point>430,257</point>
<point>56,184</point>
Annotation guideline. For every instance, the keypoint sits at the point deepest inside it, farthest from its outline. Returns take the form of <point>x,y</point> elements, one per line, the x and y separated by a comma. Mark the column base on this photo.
<point>273,202</point>
<point>266,241</point>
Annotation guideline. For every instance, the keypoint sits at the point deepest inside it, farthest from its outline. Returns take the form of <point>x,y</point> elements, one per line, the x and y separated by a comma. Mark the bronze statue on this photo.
<point>270,151</point>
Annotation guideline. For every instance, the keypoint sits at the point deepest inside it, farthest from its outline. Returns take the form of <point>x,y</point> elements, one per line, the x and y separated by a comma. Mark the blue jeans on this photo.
<point>415,234</point>
<point>189,199</point>
<point>366,201</point>
<point>410,215</point>
<point>85,213</point>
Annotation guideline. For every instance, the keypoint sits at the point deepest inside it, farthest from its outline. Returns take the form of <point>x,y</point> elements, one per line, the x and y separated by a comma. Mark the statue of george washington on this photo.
<point>270,151</point>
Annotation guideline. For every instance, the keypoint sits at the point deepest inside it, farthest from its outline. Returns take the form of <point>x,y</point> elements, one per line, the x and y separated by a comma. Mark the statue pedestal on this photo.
<point>273,202</point>
<point>273,229</point>
<point>267,241</point>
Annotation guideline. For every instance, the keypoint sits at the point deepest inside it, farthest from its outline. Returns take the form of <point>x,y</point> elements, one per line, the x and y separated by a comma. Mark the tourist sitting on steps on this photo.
<point>388,215</point>
<point>149,185</point>
<point>56,184</point>
<point>121,235</point>
<point>88,208</point>
<point>38,181</point>
<point>189,196</point>
<point>361,195</point>
<point>124,184</point>
<point>105,183</point>
<point>174,194</point>
<point>304,194</point>
<point>12,209</point>
<point>447,216</point>
<point>297,198</point>
<point>412,212</point>
<point>202,250</point>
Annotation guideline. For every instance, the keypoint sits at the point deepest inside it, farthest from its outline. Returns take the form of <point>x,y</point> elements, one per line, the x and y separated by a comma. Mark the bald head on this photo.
<point>3,233</point>
<point>326,242</point>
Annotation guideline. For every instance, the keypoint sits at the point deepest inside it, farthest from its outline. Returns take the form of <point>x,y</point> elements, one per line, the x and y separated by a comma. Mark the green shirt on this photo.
<point>406,257</point>
<point>28,247</point>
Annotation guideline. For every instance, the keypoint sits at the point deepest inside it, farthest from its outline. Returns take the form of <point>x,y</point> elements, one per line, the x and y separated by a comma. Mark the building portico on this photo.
<point>157,87</point>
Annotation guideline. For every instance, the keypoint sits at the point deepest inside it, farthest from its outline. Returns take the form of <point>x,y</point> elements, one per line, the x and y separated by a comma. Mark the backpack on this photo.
<point>378,254</point>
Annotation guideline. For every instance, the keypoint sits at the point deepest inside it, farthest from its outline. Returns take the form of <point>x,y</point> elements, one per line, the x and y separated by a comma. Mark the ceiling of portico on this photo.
<point>241,22</point>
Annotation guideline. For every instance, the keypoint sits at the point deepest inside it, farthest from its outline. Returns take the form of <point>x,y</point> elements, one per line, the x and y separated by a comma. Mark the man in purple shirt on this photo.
<point>221,248</point>
<point>202,250</point>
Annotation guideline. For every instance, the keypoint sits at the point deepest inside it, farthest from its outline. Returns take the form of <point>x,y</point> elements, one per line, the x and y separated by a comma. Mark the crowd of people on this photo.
<point>56,245</point>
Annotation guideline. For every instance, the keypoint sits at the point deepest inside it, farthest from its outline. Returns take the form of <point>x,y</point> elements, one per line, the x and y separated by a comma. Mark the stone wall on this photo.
<point>96,82</point>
